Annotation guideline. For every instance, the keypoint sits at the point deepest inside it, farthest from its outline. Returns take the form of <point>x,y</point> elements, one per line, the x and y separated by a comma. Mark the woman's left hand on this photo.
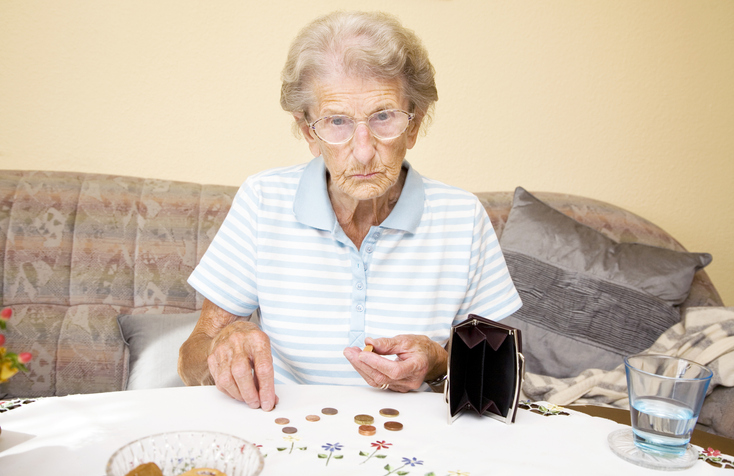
<point>418,359</point>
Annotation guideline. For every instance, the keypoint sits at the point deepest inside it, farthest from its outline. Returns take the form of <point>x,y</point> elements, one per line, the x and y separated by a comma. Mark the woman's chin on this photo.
<point>367,192</point>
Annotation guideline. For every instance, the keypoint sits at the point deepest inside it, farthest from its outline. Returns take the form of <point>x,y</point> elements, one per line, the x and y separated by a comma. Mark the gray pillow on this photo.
<point>538,230</point>
<point>154,340</point>
<point>587,300</point>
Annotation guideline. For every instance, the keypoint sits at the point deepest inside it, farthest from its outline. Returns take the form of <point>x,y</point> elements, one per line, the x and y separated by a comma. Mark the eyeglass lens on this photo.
<point>387,124</point>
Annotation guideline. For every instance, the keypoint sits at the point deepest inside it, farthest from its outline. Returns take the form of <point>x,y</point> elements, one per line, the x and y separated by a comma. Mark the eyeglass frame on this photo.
<point>312,125</point>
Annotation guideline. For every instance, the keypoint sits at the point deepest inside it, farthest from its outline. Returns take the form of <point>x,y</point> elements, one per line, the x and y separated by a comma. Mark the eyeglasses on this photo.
<point>384,125</point>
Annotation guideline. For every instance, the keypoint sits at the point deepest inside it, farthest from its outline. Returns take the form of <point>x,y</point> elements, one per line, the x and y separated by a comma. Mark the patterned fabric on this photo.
<point>79,249</point>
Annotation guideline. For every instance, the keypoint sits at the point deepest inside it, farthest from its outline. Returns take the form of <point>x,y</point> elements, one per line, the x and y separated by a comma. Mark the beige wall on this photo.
<point>626,101</point>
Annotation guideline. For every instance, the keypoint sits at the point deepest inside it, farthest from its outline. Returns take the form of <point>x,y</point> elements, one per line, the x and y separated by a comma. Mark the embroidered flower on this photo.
<point>412,462</point>
<point>710,452</point>
<point>381,445</point>
<point>406,462</point>
<point>377,445</point>
<point>332,448</point>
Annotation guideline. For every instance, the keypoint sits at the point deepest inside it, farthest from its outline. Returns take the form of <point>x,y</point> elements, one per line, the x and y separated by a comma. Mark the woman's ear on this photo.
<point>413,129</point>
<point>313,142</point>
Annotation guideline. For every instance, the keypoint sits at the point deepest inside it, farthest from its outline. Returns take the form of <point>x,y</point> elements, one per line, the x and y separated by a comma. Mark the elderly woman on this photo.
<point>351,248</point>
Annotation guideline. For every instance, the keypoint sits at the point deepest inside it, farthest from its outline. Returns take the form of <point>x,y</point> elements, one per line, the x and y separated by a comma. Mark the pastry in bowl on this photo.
<point>186,452</point>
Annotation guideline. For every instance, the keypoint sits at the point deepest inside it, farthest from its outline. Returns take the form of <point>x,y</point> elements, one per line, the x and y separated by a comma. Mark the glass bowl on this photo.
<point>180,451</point>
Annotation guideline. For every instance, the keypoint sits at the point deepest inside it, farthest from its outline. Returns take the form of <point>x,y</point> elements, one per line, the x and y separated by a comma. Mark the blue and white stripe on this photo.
<point>432,262</point>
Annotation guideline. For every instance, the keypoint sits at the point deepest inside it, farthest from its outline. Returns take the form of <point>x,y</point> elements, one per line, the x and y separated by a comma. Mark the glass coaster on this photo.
<point>622,444</point>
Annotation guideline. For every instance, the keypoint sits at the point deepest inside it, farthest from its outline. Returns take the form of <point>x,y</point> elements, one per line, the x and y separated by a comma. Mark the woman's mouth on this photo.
<point>365,176</point>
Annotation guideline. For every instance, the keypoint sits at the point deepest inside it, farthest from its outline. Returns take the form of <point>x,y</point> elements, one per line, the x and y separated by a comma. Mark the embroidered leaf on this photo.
<point>338,456</point>
<point>362,453</point>
<point>322,456</point>
<point>387,467</point>
<point>402,473</point>
<point>381,456</point>
<point>282,449</point>
<point>303,448</point>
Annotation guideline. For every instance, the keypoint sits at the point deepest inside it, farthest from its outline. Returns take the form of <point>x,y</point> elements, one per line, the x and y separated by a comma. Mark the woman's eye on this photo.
<point>339,121</point>
<point>382,116</point>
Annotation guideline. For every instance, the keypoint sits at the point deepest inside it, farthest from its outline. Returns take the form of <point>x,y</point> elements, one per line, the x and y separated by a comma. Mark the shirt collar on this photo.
<point>312,206</point>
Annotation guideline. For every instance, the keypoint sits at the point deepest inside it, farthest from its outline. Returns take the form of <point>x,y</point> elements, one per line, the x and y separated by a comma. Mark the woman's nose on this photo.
<point>363,144</point>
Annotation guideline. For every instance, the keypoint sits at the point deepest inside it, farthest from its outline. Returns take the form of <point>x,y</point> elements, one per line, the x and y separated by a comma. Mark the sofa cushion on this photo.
<point>153,341</point>
<point>588,300</point>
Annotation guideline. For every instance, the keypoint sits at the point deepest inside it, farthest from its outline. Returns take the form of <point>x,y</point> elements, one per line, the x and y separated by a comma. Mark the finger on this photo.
<point>385,345</point>
<point>223,379</point>
<point>351,353</point>
<point>378,366</point>
<point>264,376</point>
<point>244,381</point>
<point>365,371</point>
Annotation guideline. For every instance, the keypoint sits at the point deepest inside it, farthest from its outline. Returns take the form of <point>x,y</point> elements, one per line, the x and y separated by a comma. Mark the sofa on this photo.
<point>83,252</point>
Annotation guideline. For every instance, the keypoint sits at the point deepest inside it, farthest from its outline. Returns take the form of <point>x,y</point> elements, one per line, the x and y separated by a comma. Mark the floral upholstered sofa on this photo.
<point>81,250</point>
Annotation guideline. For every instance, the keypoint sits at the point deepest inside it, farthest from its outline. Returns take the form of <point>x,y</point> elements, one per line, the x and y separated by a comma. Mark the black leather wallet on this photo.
<point>485,369</point>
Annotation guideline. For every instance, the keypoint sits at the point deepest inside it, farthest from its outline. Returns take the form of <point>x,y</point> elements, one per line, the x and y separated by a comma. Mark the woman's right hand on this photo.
<point>241,365</point>
<point>228,351</point>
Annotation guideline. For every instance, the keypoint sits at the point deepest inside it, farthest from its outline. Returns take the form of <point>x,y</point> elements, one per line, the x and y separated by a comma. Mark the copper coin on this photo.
<point>282,421</point>
<point>290,430</point>
<point>313,418</point>
<point>367,430</point>
<point>364,419</point>
<point>393,425</point>
<point>389,412</point>
<point>329,411</point>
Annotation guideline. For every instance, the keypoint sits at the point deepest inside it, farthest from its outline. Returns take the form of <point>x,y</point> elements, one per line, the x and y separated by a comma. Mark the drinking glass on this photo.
<point>665,394</point>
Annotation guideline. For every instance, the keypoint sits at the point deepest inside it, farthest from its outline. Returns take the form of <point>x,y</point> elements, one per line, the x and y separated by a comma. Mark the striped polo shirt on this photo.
<point>434,260</point>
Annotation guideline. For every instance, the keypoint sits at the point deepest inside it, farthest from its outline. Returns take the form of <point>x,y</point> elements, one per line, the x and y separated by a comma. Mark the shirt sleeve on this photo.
<point>491,292</point>
<point>227,273</point>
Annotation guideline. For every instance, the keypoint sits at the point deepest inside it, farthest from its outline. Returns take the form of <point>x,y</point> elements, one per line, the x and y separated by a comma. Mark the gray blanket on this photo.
<point>705,335</point>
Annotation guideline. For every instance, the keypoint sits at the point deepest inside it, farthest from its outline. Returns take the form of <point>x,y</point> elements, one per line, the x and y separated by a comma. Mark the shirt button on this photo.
<point>377,235</point>
<point>360,308</point>
<point>360,286</point>
<point>369,249</point>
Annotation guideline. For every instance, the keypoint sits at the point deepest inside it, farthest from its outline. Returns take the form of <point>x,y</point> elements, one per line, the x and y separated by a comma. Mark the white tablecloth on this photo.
<point>76,435</point>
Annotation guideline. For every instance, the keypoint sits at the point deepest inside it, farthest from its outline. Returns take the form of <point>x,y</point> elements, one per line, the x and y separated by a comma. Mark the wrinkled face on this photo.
<point>364,167</point>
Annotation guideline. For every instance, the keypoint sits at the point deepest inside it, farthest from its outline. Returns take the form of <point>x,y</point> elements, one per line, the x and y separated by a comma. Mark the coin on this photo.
<point>393,425</point>
<point>290,430</point>
<point>389,412</point>
<point>282,421</point>
<point>329,411</point>
<point>313,417</point>
<point>368,348</point>
<point>367,430</point>
<point>364,419</point>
